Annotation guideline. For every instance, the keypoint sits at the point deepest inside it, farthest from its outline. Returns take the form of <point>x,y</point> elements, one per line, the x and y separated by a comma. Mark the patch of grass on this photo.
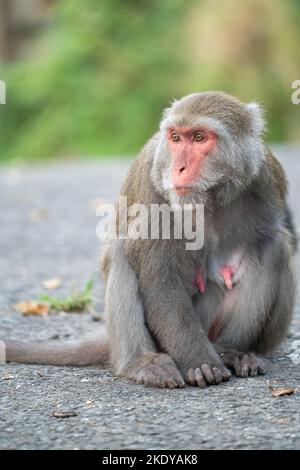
<point>75,302</point>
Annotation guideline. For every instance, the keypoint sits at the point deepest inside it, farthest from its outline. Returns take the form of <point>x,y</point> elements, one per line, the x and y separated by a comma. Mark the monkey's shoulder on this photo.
<point>138,185</point>
<point>273,174</point>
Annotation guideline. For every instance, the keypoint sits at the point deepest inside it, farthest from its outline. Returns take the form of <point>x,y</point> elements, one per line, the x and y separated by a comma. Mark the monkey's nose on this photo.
<point>181,180</point>
<point>181,174</point>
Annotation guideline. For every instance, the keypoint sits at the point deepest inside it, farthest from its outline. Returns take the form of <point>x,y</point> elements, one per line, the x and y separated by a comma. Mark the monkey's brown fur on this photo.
<point>158,323</point>
<point>164,269</point>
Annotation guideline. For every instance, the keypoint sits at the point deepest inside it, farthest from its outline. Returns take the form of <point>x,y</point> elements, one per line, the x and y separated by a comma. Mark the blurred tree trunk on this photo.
<point>7,42</point>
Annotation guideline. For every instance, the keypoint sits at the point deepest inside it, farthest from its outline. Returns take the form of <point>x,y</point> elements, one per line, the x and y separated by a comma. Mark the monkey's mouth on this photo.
<point>183,190</point>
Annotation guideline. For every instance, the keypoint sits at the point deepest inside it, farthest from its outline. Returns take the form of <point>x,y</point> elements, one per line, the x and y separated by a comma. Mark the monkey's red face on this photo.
<point>188,147</point>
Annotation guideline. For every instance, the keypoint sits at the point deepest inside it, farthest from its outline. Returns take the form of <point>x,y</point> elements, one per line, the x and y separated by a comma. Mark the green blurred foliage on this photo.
<point>97,80</point>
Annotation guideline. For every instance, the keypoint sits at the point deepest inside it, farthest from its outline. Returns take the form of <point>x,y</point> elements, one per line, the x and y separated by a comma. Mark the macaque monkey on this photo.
<point>178,316</point>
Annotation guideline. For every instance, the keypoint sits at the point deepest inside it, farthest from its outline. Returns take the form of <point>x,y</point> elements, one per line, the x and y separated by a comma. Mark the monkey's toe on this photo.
<point>244,365</point>
<point>156,370</point>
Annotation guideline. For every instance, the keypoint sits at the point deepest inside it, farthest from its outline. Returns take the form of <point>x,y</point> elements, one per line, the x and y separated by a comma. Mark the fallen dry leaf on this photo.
<point>63,414</point>
<point>280,392</point>
<point>31,307</point>
<point>51,284</point>
<point>280,420</point>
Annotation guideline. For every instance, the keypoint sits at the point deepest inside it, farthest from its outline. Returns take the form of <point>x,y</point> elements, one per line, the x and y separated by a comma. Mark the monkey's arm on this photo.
<point>174,323</point>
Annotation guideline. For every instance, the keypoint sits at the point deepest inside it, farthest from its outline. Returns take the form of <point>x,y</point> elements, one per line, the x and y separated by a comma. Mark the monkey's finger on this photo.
<point>217,375</point>
<point>208,374</point>
<point>226,374</point>
<point>180,383</point>
<point>171,383</point>
<point>253,370</point>
<point>191,377</point>
<point>227,358</point>
<point>199,378</point>
<point>237,366</point>
<point>262,369</point>
<point>174,373</point>
<point>253,365</point>
<point>245,366</point>
<point>177,377</point>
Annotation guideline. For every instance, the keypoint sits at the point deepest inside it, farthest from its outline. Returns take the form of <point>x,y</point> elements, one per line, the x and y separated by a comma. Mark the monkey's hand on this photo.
<point>207,374</point>
<point>244,364</point>
<point>209,369</point>
<point>155,370</point>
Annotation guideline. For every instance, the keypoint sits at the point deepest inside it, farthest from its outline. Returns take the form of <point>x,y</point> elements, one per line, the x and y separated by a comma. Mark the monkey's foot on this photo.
<point>155,370</point>
<point>207,375</point>
<point>244,364</point>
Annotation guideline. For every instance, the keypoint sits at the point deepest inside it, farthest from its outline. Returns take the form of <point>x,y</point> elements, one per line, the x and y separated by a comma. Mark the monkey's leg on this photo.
<point>279,317</point>
<point>227,274</point>
<point>133,353</point>
<point>240,363</point>
<point>262,319</point>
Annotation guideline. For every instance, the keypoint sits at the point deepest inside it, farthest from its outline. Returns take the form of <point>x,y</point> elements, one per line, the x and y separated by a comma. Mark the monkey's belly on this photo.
<point>221,291</point>
<point>230,317</point>
<point>215,308</point>
<point>223,314</point>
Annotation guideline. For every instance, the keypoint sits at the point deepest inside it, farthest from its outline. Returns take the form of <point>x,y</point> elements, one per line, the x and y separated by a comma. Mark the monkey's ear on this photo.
<point>164,119</point>
<point>256,112</point>
<point>166,112</point>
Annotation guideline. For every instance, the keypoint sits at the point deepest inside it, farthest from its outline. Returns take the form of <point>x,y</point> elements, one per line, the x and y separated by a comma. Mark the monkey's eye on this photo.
<point>198,137</point>
<point>175,137</point>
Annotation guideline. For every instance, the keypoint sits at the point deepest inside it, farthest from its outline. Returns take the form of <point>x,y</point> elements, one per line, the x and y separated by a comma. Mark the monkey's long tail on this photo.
<point>88,352</point>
